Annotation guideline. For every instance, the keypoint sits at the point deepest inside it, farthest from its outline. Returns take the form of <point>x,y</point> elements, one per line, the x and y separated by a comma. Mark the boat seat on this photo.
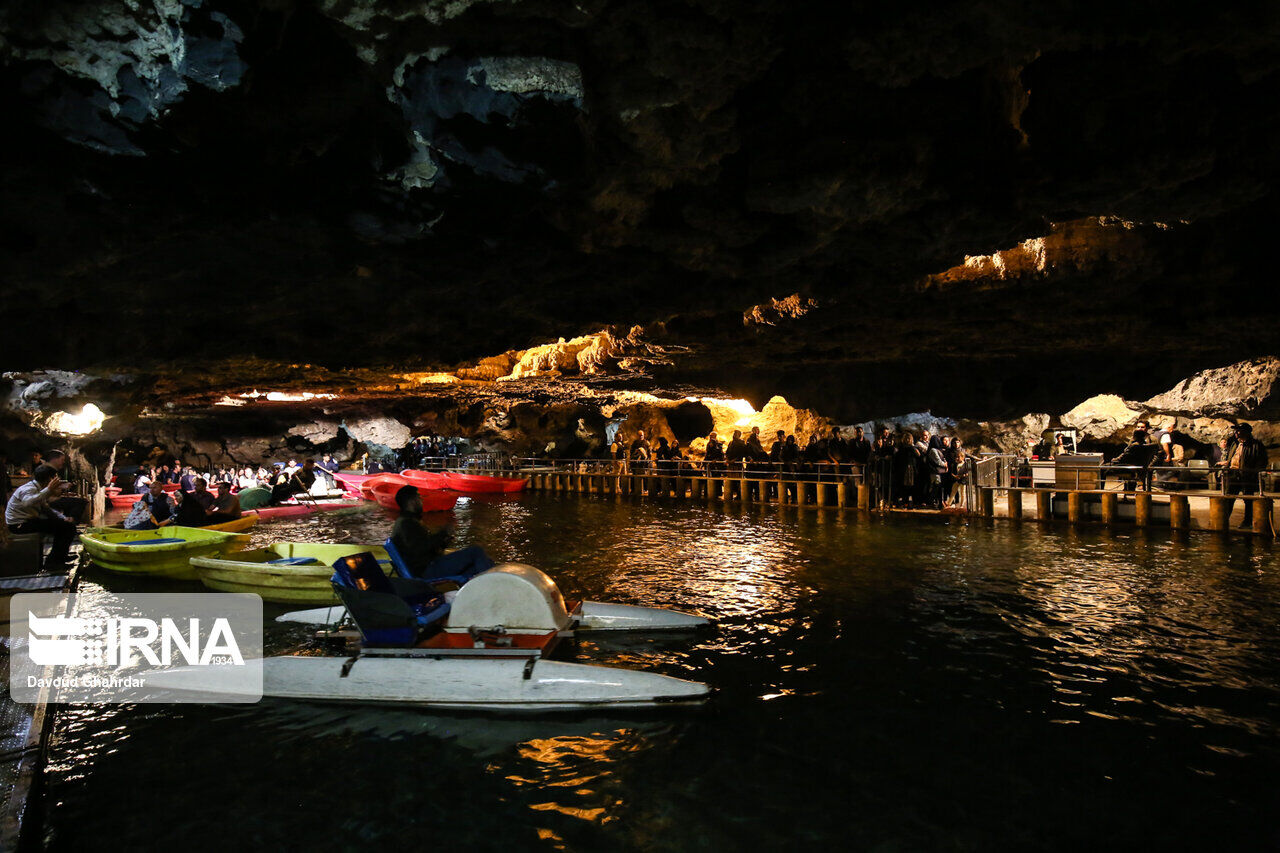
<point>388,611</point>
<point>293,561</point>
<point>162,541</point>
<point>457,566</point>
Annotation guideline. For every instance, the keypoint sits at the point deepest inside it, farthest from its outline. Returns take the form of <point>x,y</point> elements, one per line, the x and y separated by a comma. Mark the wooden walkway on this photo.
<point>1175,510</point>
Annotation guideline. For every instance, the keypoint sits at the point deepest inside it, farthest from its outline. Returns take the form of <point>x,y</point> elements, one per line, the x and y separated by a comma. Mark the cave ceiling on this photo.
<point>364,184</point>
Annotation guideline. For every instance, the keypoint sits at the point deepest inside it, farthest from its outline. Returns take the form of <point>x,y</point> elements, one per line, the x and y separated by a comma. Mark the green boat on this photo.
<point>283,572</point>
<point>165,552</point>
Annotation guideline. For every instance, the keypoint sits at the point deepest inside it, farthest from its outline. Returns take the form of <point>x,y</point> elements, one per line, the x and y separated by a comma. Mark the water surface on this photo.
<point>906,683</point>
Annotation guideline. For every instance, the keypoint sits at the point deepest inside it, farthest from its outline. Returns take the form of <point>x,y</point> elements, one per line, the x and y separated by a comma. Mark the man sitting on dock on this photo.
<point>28,510</point>
<point>424,551</point>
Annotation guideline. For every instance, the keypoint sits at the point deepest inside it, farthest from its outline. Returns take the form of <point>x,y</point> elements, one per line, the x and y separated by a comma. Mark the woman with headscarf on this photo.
<point>936,467</point>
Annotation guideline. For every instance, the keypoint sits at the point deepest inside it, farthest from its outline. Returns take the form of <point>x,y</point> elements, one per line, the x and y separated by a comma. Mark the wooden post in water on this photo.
<point>1015,503</point>
<point>1220,512</point>
<point>1075,507</point>
<point>1179,512</point>
<point>1044,505</point>
<point>842,494</point>
<point>820,493</point>
<point>987,502</point>
<point>1142,508</point>
<point>801,497</point>
<point>1262,509</point>
<point>1109,504</point>
<point>744,489</point>
<point>864,496</point>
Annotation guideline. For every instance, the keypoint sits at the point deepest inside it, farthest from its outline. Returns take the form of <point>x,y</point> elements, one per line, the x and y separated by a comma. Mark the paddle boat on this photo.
<point>487,650</point>
<point>282,572</point>
<point>384,492</point>
<point>165,552</point>
<point>470,483</point>
<point>119,501</point>
<point>589,616</point>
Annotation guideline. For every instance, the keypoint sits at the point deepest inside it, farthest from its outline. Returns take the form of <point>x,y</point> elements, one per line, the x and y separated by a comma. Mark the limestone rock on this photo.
<point>1246,388</point>
<point>386,434</point>
<point>1102,418</point>
<point>316,432</point>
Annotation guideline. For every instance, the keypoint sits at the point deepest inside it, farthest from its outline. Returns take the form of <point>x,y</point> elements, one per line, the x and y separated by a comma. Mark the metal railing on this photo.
<point>823,472</point>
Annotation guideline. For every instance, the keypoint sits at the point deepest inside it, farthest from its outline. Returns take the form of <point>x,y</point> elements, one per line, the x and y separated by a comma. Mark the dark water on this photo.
<point>897,684</point>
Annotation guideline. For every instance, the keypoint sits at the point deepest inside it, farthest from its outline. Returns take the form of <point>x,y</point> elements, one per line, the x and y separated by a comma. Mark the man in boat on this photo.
<point>424,551</point>
<point>226,507</point>
<point>194,509</point>
<point>154,509</point>
<point>29,510</point>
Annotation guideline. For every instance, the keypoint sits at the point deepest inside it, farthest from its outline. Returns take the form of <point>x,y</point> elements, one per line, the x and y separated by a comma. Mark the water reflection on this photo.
<point>878,678</point>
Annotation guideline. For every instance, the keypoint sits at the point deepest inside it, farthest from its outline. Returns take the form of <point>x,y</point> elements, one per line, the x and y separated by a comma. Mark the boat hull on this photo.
<point>127,551</point>
<point>592,616</point>
<point>414,679</point>
<point>251,571</point>
<point>481,484</point>
<point>432,501</point>
<point>291,510</point>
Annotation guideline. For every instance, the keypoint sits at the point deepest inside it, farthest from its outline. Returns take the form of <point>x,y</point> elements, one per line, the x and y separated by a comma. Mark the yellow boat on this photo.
<point>165,552</point>
<point>283,572</point>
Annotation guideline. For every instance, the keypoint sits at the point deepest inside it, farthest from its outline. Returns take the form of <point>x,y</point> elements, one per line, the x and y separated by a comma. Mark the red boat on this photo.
<point>366,487</point>
<point>434,480</point>
<point>384,493</point>
<point>119,501</point>
<point>171,487</point>
<point>483,484</point>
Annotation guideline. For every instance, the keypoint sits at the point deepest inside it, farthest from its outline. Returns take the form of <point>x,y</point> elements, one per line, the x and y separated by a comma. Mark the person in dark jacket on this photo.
<point>858,449</point>
<point>1245,458</point>
<point>737,449</point>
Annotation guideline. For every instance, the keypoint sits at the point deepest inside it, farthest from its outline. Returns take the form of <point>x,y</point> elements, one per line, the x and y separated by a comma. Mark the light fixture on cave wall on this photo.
<point>89,421</point>
<point>274,397</point>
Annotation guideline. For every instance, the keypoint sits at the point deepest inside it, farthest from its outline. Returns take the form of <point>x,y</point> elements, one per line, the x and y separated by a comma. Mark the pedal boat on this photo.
<point>588,616</point>
<point>486,651</point>
<point>165,552</point>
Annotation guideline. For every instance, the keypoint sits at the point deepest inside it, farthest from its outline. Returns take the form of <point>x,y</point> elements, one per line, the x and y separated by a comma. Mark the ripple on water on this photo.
<point>893,682</point>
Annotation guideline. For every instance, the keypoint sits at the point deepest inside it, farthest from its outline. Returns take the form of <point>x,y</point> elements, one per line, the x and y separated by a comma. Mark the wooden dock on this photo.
<point>1206,511</point>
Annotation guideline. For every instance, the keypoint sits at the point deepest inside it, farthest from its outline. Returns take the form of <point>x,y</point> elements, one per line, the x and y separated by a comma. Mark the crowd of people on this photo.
<point>906,470</point>
<point>138,480</point>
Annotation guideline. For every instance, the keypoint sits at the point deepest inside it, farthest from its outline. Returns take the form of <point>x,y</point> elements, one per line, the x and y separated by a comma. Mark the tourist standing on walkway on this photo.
<point>1246,459</point>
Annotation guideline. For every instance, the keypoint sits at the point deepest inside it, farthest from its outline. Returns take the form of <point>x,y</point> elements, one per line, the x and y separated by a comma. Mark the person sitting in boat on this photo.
<point>186,479</point>
<point>424,551</point>
<point>154,509</point>
<point>225,507</point>
<point>193,511</point>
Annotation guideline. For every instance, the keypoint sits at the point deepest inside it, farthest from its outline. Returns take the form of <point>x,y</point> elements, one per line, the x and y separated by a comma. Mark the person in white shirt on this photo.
<point>28,511</point>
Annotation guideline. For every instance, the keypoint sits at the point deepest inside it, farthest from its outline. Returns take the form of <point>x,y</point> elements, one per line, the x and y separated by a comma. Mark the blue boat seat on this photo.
<point>293,561</point>
<point>458,566</point>
<point>165,541</point>
<point>388,611</point>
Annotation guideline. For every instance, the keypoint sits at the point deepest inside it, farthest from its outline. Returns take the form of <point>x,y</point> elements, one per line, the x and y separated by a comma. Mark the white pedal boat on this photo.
<point>585,616</point>
<point>490,655</point>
